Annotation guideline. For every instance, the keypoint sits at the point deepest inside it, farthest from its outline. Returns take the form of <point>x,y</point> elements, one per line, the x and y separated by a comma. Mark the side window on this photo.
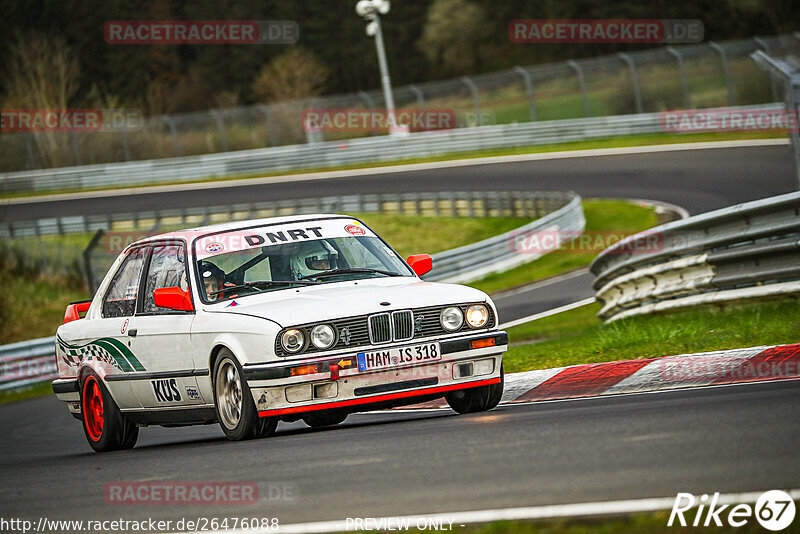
<point>167,269</point>
<point>120,299</point>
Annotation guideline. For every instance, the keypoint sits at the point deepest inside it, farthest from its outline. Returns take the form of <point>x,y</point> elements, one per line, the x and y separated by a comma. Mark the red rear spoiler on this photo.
<point>75,309</point>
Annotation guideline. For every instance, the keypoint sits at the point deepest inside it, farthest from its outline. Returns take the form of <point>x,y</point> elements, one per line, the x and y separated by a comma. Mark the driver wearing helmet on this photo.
<point>213,279</point>
<point>314,257</point>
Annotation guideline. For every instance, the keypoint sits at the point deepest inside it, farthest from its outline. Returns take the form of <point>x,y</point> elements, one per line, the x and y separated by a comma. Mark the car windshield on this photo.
<point>289,265</point>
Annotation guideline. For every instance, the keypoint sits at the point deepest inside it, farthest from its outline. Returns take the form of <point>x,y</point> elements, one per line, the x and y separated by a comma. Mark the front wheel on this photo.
<point>479,399</point>
<point>235,408</point>
<point>105,427</point>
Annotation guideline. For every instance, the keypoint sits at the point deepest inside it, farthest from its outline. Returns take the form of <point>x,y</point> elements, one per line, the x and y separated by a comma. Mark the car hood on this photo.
<point>326,302</point>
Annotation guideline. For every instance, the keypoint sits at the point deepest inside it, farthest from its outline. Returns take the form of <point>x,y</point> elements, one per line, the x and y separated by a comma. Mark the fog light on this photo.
<point>483,367</point>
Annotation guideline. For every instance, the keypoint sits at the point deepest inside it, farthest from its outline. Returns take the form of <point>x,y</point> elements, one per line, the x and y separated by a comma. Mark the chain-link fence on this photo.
<point>691,76</point>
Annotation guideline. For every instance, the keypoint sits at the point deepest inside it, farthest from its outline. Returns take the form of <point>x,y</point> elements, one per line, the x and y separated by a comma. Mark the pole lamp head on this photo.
<point>370,8</point>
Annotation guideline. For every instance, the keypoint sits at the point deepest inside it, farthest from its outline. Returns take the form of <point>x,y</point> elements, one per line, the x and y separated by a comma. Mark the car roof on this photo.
<point>190,233</point>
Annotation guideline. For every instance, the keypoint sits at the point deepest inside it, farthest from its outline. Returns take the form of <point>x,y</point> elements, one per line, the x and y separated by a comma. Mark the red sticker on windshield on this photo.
<point>355,230</point>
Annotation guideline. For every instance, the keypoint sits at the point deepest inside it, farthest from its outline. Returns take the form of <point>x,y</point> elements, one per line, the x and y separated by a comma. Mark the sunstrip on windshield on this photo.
<point>245,239</point>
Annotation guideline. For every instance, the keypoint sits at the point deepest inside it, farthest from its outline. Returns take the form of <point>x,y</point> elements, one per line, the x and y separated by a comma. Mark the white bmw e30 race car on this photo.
<point>305,317</point>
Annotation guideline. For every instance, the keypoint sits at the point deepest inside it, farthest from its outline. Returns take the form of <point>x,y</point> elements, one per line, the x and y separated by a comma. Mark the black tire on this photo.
<point>479,399</point>
<point>324,418</point>
<point>234,405</point>
<point>104,426</point>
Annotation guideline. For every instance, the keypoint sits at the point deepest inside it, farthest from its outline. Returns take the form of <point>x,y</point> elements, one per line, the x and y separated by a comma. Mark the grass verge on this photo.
<point>409,234</point>
<point>28,392</point>
<point>583,338</point>
<point>616,142</point>
<point>608,218</point>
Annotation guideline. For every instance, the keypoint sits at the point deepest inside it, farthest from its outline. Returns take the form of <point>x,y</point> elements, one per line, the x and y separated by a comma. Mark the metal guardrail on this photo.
<point>28,362</point>
<point>332,153</point>
<point>497,254</point>
<point>681,76</point>
<point>745,251</point>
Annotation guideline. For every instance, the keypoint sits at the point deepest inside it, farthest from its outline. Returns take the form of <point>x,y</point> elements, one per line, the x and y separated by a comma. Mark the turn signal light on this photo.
<point>483,343</point>
<point>305,370</point>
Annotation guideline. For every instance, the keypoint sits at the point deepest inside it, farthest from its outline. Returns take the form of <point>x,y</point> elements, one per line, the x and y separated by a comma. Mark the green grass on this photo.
<point>582,338</point>
<point>410,234</point>
<point>33,307</point>
<point>626,141</point>
<point>28,392</point>
<point>601,216</point>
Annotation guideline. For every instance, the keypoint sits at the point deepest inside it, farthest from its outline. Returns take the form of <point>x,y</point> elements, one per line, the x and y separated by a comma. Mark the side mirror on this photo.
<point>173,298</point>
<point>420,263</point>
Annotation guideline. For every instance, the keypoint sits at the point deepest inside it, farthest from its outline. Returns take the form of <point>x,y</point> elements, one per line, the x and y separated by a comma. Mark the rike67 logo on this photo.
<point>774,510</point>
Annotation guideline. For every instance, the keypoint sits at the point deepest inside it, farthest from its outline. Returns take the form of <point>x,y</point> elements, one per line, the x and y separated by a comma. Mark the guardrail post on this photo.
<point>527,80</point>
<point>29,148</point>
<point>370,102</point>
<point>587,111</point>
<point>763,45</point>
<point>223,135</point>
<point>176,143</point>
<point>87,261</point>
<point>126,149</point>
<point>637,94</point>
<point>726,71</point>
<point>313,137</point>
<point>267,118</point>
<point>476,103</point>
<point>76,148</point>
<point>687,98</point>
<point>418,95</point>
<point>790,75</point>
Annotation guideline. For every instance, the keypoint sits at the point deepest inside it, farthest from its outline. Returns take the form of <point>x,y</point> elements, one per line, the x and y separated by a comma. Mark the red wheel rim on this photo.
<point>93,408</point>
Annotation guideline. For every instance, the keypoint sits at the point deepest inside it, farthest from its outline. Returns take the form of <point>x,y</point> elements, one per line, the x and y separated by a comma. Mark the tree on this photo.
<point>295,75</point>
<point>453,35</point>
<point>42,73</point>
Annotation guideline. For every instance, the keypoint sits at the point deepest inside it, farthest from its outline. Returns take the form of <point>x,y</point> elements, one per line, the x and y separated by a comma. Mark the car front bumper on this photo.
<point>277,393</point>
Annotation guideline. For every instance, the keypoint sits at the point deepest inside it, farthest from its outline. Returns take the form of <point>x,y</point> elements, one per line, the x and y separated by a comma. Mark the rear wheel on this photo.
<point>105,427</point>
<point>234,404</point>
<point>324,418</point>
<point>479,399</point>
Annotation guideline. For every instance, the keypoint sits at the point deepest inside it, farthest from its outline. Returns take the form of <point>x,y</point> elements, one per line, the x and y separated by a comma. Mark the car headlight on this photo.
<point>477,315</point>
<point>322,336</point>
<point>293,340</point>
<point>451,318</point>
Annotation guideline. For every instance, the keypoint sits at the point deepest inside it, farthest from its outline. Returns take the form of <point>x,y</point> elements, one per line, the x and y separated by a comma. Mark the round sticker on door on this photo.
<point>214,247</point>
<point>124,326</point>
<point>355,230</point>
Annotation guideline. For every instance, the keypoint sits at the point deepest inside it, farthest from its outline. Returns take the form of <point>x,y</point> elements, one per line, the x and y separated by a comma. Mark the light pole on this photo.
<point>371,10</point>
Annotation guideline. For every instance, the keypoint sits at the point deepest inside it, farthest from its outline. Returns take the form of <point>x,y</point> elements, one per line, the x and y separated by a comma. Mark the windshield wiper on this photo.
<point>352,270</point>
<point>265,283</point>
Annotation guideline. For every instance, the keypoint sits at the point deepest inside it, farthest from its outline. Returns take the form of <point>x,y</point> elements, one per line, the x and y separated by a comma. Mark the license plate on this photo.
<point>392,357</point>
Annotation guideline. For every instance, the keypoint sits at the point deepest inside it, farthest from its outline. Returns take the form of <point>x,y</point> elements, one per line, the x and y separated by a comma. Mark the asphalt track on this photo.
<point>728,439</point>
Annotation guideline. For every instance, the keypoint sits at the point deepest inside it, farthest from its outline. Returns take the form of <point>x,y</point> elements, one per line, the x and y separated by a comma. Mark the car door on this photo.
<point>107,336</point>
<point>161,337</point>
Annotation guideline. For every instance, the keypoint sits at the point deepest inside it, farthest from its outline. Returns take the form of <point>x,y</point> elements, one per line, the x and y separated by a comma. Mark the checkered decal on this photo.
<point>106,350</point>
